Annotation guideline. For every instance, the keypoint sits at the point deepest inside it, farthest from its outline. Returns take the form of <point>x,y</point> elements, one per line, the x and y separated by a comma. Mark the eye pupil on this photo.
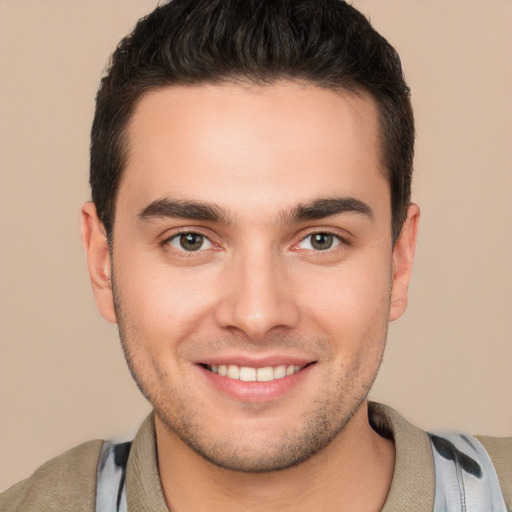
<point>322,241</point>
<point>191,241</point>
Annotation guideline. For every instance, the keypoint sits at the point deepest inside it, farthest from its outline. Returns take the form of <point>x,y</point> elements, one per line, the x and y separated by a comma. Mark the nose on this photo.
<point>257,297</point>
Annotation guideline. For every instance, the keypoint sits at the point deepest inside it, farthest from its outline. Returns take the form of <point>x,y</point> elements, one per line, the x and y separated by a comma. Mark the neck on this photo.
<point>337,478</point>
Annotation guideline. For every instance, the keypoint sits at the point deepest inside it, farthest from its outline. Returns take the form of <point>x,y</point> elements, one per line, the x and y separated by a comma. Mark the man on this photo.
<point>252,235</point>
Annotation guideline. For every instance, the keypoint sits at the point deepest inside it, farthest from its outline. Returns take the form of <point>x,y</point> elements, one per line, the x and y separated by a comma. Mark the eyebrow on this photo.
<point>204,211</point>
<point>322,208</point>
<point>184,209</point>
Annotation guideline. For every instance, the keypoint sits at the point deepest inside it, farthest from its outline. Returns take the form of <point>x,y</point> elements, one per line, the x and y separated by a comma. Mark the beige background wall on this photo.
<point>62,375</point>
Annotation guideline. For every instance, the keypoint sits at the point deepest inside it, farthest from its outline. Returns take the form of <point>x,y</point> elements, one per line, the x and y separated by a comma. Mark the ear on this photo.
<point>98,260</point>
<point>403,256</point>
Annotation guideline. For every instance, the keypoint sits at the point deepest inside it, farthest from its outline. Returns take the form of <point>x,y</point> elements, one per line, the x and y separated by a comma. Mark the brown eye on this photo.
<point>190,242</point>
<point>322,241</point>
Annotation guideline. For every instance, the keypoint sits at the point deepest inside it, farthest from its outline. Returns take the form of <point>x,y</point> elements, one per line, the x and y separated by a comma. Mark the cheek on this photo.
<point>159,300</point>
<point>349,299</point>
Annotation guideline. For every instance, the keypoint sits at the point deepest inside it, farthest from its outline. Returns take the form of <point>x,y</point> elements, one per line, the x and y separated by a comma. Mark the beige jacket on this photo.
<point>68,482</point>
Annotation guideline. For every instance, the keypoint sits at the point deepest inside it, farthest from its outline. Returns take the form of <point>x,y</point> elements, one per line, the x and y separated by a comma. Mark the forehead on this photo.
<point>272,145</point>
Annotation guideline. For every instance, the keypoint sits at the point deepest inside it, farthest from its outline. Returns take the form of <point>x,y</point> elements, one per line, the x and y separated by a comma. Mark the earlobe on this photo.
<point>403,257</point>
<point>98,261</point>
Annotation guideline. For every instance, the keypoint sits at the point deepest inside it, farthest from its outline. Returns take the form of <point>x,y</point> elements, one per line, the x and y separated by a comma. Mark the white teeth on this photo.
<point>279,372</point>
<point>233,371</point>
<point>249,374</point>
<point>265,374</point>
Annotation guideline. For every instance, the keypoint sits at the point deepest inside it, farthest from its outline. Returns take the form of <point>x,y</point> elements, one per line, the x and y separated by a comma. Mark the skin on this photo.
<point>256,291</point>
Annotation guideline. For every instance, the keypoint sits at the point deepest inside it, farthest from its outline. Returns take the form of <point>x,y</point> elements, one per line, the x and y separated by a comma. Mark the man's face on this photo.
<point>252,237</point>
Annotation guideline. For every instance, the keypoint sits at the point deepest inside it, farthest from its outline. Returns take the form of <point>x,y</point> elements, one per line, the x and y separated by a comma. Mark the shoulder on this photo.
<point>500,451</point>
<point>67,482</point>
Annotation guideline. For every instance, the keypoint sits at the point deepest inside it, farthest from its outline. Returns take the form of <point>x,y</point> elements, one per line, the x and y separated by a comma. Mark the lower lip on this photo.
<point>256,391</point>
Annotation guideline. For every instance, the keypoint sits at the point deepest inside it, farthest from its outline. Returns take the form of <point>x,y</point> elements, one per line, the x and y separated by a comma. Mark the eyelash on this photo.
<point>341,241</point>
<point>166,243</point>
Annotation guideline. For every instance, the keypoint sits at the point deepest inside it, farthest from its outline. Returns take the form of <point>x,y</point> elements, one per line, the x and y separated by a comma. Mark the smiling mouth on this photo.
<point>250,374</point>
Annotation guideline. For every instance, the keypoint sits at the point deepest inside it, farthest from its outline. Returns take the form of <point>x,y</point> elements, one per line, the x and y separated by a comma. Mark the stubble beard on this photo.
<point>322,423</point>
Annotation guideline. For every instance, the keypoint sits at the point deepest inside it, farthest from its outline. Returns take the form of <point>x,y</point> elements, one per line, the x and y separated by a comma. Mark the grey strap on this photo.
<point>110,477</point>
<point>466,480</point>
